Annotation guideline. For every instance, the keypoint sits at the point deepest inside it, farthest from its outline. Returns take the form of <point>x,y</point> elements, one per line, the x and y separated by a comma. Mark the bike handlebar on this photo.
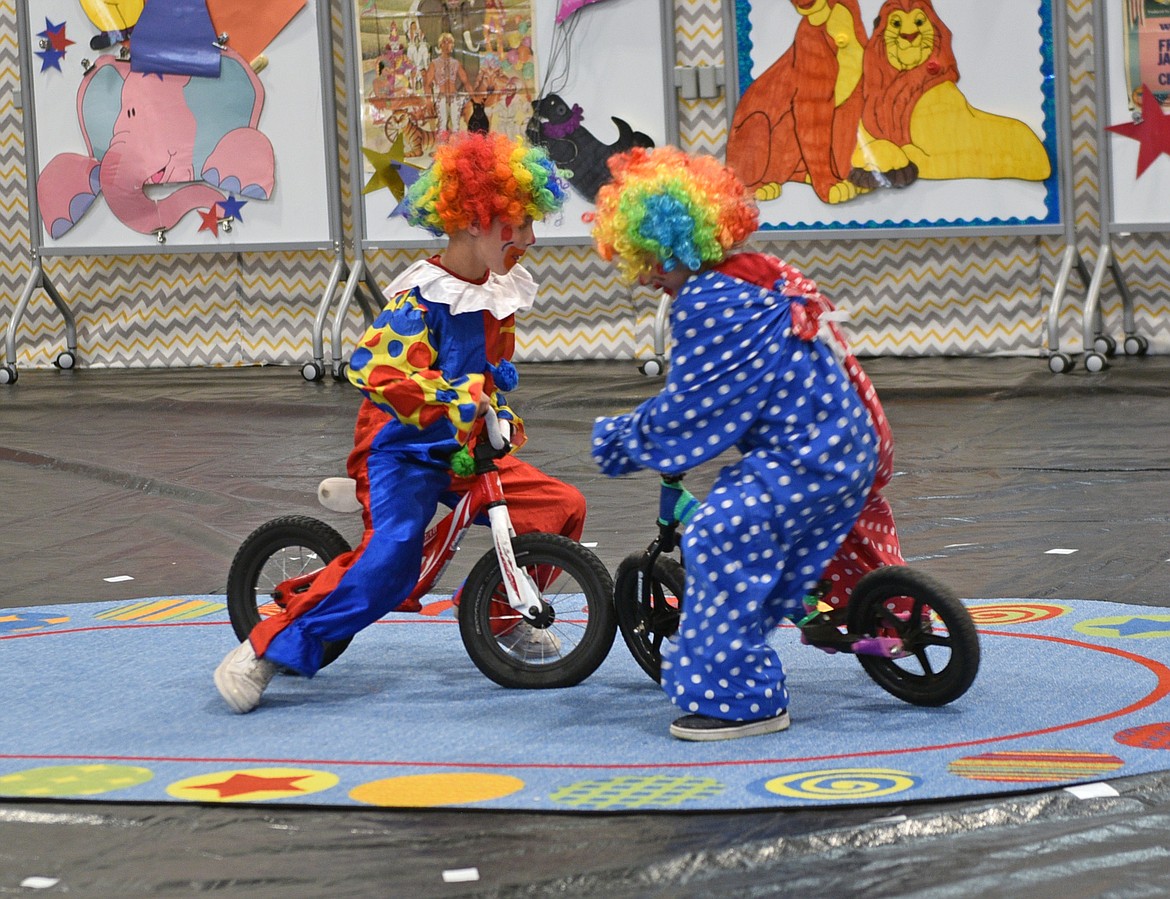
<point>494,434</point>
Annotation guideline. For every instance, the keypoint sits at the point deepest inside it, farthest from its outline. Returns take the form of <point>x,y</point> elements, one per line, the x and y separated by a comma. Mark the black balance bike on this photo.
<point>910,633</point>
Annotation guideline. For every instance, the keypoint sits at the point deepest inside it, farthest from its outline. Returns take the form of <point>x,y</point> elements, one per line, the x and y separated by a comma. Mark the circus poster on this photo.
<point>1146,38</point>
<point>434,66</point>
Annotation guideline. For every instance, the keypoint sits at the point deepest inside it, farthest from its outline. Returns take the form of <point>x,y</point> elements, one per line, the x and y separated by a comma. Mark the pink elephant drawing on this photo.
<point>144,131</point>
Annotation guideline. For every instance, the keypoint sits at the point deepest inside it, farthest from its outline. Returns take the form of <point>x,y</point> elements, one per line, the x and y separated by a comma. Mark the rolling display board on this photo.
<point>171,141</point>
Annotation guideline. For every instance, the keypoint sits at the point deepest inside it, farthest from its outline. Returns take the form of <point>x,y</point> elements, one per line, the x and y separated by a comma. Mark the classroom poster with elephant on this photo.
<point>559,72</point>
<point>178,126</point>
<point>897,114</point>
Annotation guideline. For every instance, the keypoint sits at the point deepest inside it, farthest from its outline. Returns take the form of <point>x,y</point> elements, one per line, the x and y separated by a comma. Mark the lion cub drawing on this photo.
<point>798,121</point>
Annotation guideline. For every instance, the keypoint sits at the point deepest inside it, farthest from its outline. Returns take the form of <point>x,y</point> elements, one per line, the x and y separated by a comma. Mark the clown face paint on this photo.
<point>503,245</point>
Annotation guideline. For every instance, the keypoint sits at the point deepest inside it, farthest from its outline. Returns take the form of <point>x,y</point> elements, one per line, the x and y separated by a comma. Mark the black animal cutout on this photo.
<point>557,127</point>
<point>478,120</point>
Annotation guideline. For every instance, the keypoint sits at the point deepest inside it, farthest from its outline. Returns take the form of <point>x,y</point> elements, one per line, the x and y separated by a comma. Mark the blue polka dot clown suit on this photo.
<point>740,377</point>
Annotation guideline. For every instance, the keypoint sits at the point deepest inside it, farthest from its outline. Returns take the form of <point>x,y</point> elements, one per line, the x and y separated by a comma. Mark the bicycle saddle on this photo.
<point>339,495</point>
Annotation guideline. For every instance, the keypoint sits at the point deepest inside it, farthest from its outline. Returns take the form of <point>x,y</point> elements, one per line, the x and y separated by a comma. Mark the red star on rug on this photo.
<point>210,220</point>
<point>242,784</point>
<point>1152,132</point>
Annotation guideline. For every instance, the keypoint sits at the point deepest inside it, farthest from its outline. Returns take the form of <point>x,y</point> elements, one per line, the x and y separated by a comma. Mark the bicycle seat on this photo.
<point>339,495</point>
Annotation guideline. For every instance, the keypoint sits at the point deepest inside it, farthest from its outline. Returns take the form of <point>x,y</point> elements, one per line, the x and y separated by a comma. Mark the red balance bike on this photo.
<point>535,612</point>
<point>910,633</point>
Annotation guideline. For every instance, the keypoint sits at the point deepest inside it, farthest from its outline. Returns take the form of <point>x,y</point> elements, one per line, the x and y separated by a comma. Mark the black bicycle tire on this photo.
<point>632,616</point>
<point>866,612</point>
<point>259,546</point>
<point>580,662</point>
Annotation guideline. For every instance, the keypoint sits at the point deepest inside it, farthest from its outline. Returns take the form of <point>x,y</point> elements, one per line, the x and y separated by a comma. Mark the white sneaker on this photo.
<point>531,643</point>
<point>241,678</point>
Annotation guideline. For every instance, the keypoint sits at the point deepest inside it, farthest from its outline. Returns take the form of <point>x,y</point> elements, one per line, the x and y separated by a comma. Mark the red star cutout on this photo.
<point>210,220</point>
<point>57,39</point>
<point>242,784</point>
<point>1153,131</point>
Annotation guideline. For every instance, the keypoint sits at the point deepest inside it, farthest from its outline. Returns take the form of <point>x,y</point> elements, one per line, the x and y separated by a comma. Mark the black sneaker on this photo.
<point>701,728</point>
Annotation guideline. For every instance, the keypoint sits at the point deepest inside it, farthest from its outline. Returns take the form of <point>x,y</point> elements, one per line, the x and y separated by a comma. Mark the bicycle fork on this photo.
<point>523,594</point>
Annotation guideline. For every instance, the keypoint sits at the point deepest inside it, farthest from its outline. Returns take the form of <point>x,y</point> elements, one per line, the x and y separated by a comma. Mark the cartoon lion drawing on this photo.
<point>798,120</point>
<point>916,123</point>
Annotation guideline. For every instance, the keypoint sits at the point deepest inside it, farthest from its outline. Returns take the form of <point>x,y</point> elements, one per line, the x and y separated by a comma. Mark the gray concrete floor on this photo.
<point>159,475</point>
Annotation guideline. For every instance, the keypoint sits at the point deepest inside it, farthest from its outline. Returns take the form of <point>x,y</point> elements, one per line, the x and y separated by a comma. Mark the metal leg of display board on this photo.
<point>1100,346</point>
<point>657,365</point>
<point>66,359</point>
<point>360,277</point>
<point>1059,361</point>
<point>315,370</point>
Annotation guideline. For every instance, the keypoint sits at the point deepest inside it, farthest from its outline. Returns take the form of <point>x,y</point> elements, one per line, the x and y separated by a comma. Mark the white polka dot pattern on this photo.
<point>811,446</point>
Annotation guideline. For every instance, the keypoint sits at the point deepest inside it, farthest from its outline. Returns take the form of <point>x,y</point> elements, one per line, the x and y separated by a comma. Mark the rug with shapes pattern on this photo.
<point>115,702</point>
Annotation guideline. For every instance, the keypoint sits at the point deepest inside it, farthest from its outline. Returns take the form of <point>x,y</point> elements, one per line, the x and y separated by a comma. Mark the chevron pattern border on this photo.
<point>974,295</point>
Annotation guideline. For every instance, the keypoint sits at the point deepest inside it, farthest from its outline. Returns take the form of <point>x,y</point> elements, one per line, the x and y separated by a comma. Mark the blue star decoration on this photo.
<point>1138,627</point>
<point>55,42</point>
<point>231,208</point>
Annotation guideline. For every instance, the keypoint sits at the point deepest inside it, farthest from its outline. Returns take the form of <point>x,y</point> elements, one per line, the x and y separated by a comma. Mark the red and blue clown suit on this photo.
<point>757,365</point>
<point>439,344</point>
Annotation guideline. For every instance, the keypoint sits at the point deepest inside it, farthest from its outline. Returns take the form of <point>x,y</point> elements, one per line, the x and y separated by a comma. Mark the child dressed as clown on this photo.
<point>431,365</point>
<point>757,366</point>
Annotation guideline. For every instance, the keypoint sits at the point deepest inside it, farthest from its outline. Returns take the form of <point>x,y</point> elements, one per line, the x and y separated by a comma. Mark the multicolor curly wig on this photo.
<point>476,178</point>
<point>664,206</point>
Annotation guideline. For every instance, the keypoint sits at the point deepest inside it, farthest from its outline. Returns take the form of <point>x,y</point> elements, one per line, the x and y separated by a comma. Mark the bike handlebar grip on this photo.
<point>495,436</point>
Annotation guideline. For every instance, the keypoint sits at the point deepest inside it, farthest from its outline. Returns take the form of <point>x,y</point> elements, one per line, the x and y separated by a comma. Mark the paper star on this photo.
<point>50,59</point>
<point>210,220</point>
<point>231,207</point>
<point>1152,132</point>
<point>390,171</point>
<point>55,35</point>
<point>242,784</point>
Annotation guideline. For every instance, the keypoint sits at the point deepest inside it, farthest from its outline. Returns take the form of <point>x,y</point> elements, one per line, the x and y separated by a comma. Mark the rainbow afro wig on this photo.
<point>664,206</point>
<point>478,178</point>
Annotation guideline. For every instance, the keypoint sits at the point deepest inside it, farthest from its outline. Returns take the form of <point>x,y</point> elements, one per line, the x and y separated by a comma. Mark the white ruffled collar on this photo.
<point>501,295</point>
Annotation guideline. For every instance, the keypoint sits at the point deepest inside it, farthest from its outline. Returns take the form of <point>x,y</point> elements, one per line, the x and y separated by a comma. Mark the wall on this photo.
<point>966,296</point>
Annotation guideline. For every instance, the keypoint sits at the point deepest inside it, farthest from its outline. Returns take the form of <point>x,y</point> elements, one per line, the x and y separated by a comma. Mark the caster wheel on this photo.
<point>1136,346</point>
<point>340,373</point>
<point>1059,363</point>
<point>652,368</point>
<point>1095,362</point>
<point>8,374</point>
<point>311,371</point>
<point>1105,345</point>
<point>65,360</point>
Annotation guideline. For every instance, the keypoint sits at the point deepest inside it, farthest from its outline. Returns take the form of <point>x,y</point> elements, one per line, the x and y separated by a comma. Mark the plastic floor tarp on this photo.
<point>124,485</point>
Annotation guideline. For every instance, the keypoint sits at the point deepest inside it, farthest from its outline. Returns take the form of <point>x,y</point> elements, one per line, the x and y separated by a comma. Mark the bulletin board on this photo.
<point>1135,133</point>
<point>131,151</point>
<point>1002,52</point>
<point>606,60</point>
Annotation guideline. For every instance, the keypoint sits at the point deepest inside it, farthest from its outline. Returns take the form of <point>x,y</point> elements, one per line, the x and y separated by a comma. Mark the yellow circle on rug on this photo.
<point>427,790</point>
<point>72,780</point>
<point>252,785</point>
<point>842,783</point>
